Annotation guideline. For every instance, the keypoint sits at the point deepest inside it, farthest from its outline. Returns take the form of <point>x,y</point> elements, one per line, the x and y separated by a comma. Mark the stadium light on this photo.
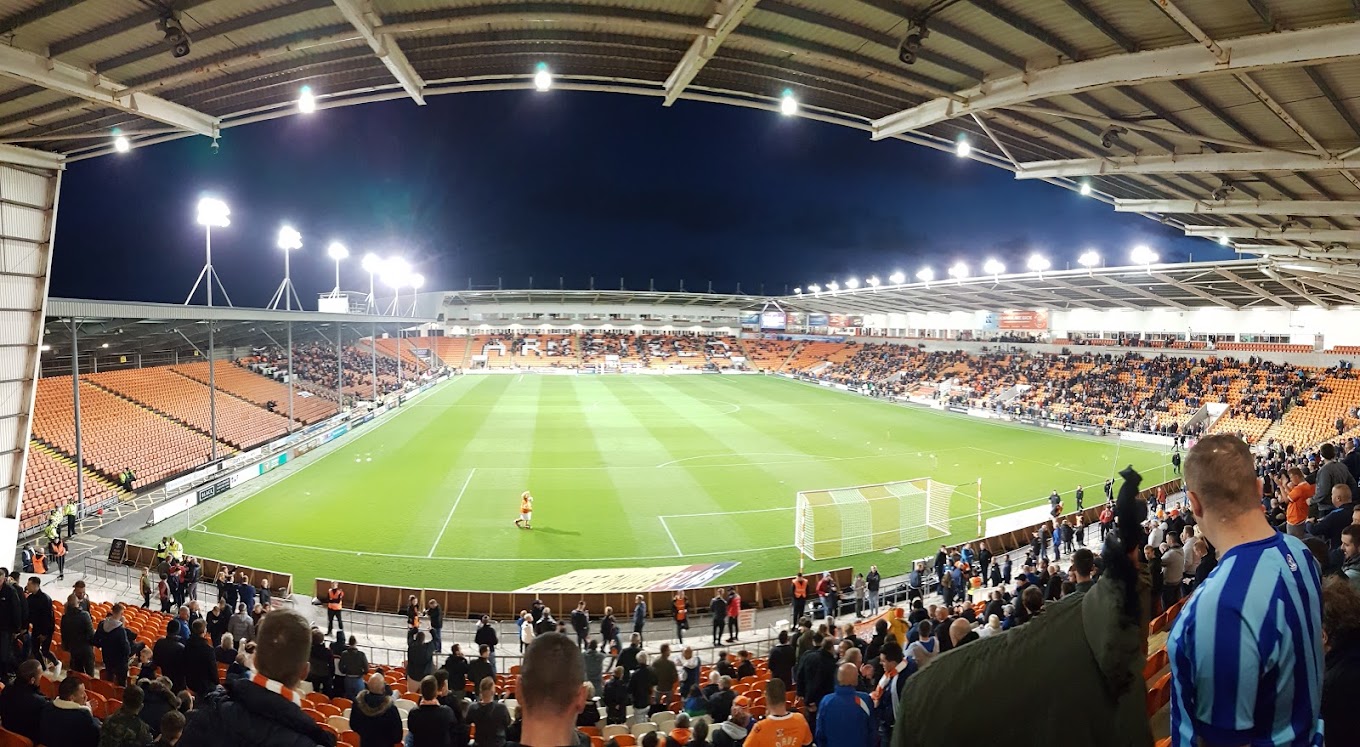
<point>395,273</point>
<point>1224,241</point>
<point>1143,255</point>
<point>416,281</point>
<point>543,78</point>
<point>337,252</point>
<point>120,141</point>
<point>373,265</point>
<point>872,281</point>
<point>925,274</point>
<point>212,213</point>
<point>815,289</point>
<point>852,283</point>
<point>797,291</point>
<point>833,286</point>
<point>1085,187</point>
<point>897,278</point>
<point>306,100</point>
<point>993,267</point>
<point>788,105</point>
<point>962,148</point>
<point>1038,263</point>
<point>959,271</point>
<point>1089,258</point>
<point>289,240</point>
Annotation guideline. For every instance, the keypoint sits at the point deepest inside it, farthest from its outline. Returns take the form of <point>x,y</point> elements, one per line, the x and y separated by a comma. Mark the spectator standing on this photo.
<point>481,667</point>
<point>218,620</point>
<point>263,711</point>
<point>916,582</point>
<point>816,677</point>
<point>1299,495</point>
<point>419,655</point>
<point>125,727</point>
<point>335,602</point>
<point>664,674</point>
<point>200,661</point>
<point>642,687</point>
<point>115,644</point>
<point>551,692</point>
<point>41,622</point>
<point>241,625</point>
<point>353,665</point>
<point>609,630</point>
<point>374,715</point>
<point>430,722</point>
<point>733,613</point>
<point>593,661</point>
<point>486,636</point>
<point>1341,642</point>
<point>67,721</point>
<point>456,665</point>
<point>859,587</point>
<point>782,659</point>
<point>615,698</point>
<point>1173,571</point>
<point>690,669</point>
<point>1330,473</point>
<point>1215,671</point>
<point>77,636</point>
<point>780,728</point>
<point>845,717</point>
<point>580,623</point>
<point>435,615</point>
<point>718,608</point>
<point>872,582</point>
<point>1342,514</point>
<point>489,717</point>
<point>22,703</point>
<point>639,614</point>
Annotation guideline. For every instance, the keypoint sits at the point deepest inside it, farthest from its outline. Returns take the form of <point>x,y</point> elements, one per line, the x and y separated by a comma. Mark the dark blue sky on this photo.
<point>567,184</point>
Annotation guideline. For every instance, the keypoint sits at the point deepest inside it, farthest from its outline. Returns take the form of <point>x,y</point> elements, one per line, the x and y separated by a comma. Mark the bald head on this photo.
<point>1220,476</point>
<point>847,675</point>
<point>376,684</point>
<point>958,629</point>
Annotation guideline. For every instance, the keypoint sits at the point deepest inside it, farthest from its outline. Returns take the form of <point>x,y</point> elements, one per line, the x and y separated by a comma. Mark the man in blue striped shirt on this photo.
<point>1246,652</point>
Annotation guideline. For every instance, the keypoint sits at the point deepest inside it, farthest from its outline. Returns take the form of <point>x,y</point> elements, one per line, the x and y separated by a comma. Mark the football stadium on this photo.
<point>401,508</point>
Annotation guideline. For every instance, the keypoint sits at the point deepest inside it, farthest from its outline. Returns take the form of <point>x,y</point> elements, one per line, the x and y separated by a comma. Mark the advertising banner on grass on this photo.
<point>617,580</point>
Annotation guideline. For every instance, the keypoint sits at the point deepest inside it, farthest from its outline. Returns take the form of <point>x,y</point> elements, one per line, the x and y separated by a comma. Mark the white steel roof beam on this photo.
<point>1102,297</point>
<point>1137,291</point>
<point>1199,163</point>
<point>726,17</point>
<point>1192,290</point>
<point>365,19</point>
<point>70,80</point>
<point>1275,234</point>
<point>1294,288</point>
<point>1300,208</point>
<point>1254,289</point>
<point>1302,47</point>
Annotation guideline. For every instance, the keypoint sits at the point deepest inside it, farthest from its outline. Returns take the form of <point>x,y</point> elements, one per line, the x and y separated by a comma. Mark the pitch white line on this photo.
<point>676,545</point>
<point>729,513</point>
<point>449,518</point>
<point>339,551</point>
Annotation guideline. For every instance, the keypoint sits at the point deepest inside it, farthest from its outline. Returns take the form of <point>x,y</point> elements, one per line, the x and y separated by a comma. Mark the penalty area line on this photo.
<point>676,545</point>
<point>449,518</point>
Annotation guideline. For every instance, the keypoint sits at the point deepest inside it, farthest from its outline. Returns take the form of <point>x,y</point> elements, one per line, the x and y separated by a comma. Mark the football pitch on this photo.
<point>627,471</point>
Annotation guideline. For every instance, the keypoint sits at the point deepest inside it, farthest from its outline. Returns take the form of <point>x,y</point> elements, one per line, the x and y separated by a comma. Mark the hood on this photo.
<point>732,730</point>
<point>373,704</point>
<point>109,624</point>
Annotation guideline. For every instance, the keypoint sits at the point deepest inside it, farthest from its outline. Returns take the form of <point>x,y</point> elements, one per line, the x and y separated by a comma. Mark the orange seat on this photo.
<point>349,737</point>
<point>10,739</point>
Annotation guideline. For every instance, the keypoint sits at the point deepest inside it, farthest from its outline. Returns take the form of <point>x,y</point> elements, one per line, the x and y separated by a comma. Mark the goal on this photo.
<point>847,521</point>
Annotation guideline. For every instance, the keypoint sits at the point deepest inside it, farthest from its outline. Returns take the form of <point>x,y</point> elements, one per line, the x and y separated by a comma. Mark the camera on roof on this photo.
<point>175,36</point>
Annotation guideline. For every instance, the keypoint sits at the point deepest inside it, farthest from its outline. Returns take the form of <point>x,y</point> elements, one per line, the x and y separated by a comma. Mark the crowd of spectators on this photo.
<point>315,364</point>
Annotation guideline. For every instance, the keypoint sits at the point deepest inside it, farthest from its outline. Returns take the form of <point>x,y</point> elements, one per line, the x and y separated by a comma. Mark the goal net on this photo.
<point>848,521</point>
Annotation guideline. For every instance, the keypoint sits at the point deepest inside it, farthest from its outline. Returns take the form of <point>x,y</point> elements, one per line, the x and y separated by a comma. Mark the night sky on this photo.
<point>565,184</point>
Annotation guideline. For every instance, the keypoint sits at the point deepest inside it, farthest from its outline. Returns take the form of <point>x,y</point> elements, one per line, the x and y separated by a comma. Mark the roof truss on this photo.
<point>365,20</point>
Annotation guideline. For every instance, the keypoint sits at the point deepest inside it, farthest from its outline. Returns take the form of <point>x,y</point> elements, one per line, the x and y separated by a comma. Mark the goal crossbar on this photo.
<point>835,522</point>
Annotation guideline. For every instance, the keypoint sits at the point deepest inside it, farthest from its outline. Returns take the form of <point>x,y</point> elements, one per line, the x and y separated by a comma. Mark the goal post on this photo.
<point>848,521</point>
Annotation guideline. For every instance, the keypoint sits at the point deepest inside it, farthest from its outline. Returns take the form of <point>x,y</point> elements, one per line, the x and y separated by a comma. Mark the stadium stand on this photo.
<point>769,355</point>
<point>117,433</point>
<point>260,390</point>
<point>239,423</point>
<point>51,481</point>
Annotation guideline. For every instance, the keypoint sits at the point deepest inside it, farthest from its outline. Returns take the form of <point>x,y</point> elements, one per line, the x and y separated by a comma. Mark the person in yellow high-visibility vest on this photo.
<point>335,601</point>
<point>69,511</point>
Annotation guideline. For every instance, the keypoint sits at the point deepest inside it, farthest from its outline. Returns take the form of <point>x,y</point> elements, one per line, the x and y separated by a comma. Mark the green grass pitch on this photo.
<point>427,498</point>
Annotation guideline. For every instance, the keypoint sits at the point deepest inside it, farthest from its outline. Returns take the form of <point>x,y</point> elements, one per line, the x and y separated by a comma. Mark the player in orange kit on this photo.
<point>526,510</point>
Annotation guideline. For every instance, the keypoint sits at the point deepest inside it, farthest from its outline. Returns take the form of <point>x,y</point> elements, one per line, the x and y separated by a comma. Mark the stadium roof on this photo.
<point>134,327</point>
<point>1234,118</point>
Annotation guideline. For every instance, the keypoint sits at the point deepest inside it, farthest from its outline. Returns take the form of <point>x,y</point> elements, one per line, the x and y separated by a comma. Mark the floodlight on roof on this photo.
<point>852,283</point>
<point>543,78</point>
<point>872,281</point>
<point>289,238</point>
<point>1143,255</point>
<point>1085,187</point>
<point>337,251</point>
<point>897,278</point>
<point>797,291</point>
<point>213,212</point>
<point>958,271</point>
<point>993,267</point>
<point>1038,263</point>
<point>372,263</point>
<point>416,281</point>
<point>1089,258</point>
<point>962,147</point>
<point>833,286</point>
<point>306,100</point>
<point>788,105</point>
<point>395,272</point>
<point>120,141</point>
<point>815,288</point>
<point>925,274</point>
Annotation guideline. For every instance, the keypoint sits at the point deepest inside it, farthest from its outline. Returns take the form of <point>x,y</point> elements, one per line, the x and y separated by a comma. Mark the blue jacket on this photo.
<point>845,718</point>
